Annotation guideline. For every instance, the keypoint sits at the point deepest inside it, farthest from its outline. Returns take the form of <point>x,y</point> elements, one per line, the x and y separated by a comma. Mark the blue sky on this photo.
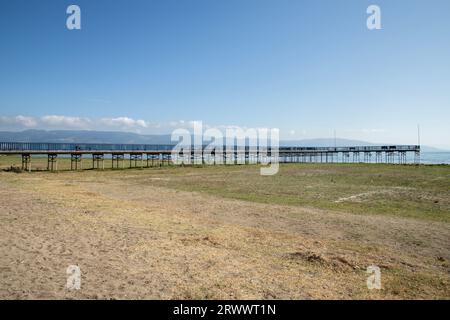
<point>306,67</point>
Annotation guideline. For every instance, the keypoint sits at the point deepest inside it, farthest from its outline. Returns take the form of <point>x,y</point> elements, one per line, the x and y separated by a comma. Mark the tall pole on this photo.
<point>418,134</point>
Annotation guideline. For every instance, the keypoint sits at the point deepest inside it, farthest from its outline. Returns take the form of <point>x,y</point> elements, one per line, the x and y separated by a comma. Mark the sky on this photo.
<point>308,68</point>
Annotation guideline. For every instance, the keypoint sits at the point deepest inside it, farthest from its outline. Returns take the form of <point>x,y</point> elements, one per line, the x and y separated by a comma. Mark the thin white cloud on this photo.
<point>26,121</point>
<point>51,122</point>
<point>21,121</point>
<point>124,122</point>
<point>56,121</point>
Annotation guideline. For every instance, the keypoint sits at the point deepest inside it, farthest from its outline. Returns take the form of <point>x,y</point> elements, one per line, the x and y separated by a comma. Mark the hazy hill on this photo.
<point>325,142</point>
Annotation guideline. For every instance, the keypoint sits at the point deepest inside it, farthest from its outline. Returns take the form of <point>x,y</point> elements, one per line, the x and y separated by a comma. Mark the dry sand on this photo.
<point>139,241</point>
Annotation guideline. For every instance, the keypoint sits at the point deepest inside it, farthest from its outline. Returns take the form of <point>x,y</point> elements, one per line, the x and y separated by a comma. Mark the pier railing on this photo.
<point>89,147</point>
<point>45,147</point>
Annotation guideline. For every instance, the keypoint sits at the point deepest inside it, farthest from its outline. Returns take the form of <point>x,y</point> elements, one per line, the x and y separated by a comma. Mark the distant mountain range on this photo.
<point>86,136</point>
<point>82,136</point>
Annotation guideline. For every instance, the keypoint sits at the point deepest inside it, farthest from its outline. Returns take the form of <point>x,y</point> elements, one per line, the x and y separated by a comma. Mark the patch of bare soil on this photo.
<point>139,241</point>
<point>360,197</point>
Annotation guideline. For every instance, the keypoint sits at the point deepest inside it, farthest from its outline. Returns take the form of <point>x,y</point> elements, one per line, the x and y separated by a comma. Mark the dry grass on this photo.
<point>169,233</point>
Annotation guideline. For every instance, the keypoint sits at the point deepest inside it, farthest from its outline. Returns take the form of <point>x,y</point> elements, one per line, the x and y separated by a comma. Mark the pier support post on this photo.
<point>116,158</point>
<point>367,157</point>
<point>75,159</point>
<point>26,162</point>
<point>390,156</point>
<point>97,160</point>
<point>148,159</point>
<point>135,157</point>
<point>345,157</point>
<point>378,157</point>
<point>52,163</point>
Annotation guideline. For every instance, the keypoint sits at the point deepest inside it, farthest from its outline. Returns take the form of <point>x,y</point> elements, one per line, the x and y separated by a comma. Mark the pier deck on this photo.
<point>117,153</point>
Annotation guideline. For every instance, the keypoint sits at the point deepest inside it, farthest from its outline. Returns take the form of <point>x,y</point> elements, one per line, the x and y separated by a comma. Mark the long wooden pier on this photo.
<point>148,155</point>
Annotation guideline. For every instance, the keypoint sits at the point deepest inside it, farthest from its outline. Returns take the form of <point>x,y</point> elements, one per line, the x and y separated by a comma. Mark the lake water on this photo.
<point>435,157</point>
